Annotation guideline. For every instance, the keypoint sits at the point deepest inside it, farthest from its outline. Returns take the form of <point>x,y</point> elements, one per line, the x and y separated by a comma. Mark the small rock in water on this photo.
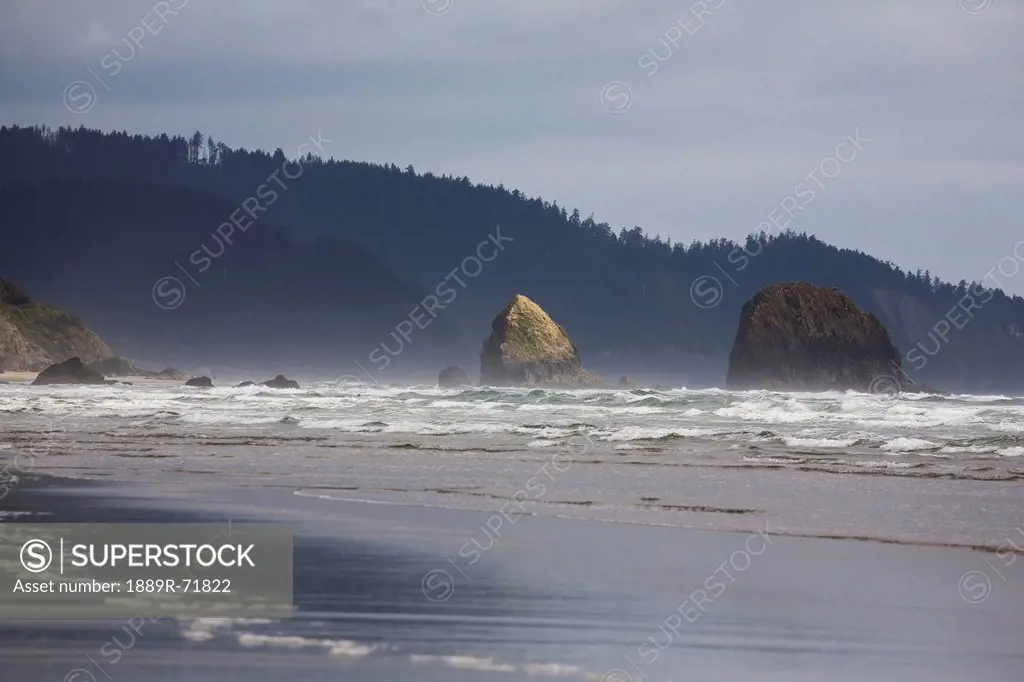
<point>280,381</point>
<point>200,382</point>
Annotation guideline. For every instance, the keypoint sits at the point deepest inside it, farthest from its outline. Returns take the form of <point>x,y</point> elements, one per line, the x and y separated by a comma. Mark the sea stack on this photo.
<point>801,337</point>
<point>527,348</point>
<point>71,371</point>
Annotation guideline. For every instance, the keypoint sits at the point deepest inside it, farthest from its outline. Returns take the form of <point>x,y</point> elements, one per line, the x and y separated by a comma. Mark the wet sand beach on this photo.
<point>394,592</point>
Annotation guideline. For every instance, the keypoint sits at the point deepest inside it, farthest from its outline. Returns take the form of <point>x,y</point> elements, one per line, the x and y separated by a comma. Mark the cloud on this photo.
<point>733,116</point>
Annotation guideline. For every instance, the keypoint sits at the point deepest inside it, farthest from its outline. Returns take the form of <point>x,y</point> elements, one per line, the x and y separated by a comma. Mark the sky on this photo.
<point>693,120</point>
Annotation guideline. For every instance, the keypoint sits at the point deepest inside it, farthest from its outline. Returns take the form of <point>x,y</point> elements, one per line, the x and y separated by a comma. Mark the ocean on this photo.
<point>606,535</point>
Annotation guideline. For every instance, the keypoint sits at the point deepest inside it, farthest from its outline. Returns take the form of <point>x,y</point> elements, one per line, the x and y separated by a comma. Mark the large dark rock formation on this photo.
<point>802,337</point>
<point>71,371</point>
<point>34,335</point>
<point>200,382</point>
<point>280,381</point>
<point>527,348</point>
<point>453,377</point>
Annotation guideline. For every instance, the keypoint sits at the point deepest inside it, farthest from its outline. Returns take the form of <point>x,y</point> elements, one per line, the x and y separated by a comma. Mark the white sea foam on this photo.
<point>345,648</point>
<point>206,629</point>
<point>481,664</point>
<point>464,663</point>
<point>534,420</point>
<point>640,433</point>
<point>903,444</point>
<point>1007,426</point>
<point>544,431</point>
<point>553,669</point>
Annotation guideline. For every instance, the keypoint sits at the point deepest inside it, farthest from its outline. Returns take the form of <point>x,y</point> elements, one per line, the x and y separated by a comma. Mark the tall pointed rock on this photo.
<point>527,348</point>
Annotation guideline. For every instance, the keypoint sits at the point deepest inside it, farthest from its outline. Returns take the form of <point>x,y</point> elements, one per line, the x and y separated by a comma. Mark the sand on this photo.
<point>18,376</point>
<point>30,376</point>
<point>387,593</point>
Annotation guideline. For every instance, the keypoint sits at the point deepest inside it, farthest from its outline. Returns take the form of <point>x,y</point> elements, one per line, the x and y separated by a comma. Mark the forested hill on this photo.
<point>136,262</point>
<point>631,302</point>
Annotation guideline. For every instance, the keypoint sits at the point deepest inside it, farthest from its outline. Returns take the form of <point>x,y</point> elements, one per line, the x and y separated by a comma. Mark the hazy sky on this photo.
<point>693,120</point>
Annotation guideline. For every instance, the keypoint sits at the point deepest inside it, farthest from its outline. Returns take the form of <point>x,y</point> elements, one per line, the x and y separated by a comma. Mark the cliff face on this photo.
<point>527,348</point>
<point>34,335</point>
<point>799,336</point>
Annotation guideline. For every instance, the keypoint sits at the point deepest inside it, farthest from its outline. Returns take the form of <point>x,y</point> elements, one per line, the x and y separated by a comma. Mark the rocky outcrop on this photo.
<point>71,371</point>
<point>280,381</point>
<point>200,382</point>
<point>245,384</point>
<point>453,377</point>
<point>626,384</point>
<point>118,367</point>
<point>34,335</point>
<point>527,348</point>
<point>171,374</point>
<point>802,337</point>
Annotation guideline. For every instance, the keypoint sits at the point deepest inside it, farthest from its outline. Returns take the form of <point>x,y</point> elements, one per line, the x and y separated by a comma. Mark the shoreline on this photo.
<point>14,377</point>
<point>592,479</point>
<point>549,598</point>
<point>161,504</point>
<point>29,377</point>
